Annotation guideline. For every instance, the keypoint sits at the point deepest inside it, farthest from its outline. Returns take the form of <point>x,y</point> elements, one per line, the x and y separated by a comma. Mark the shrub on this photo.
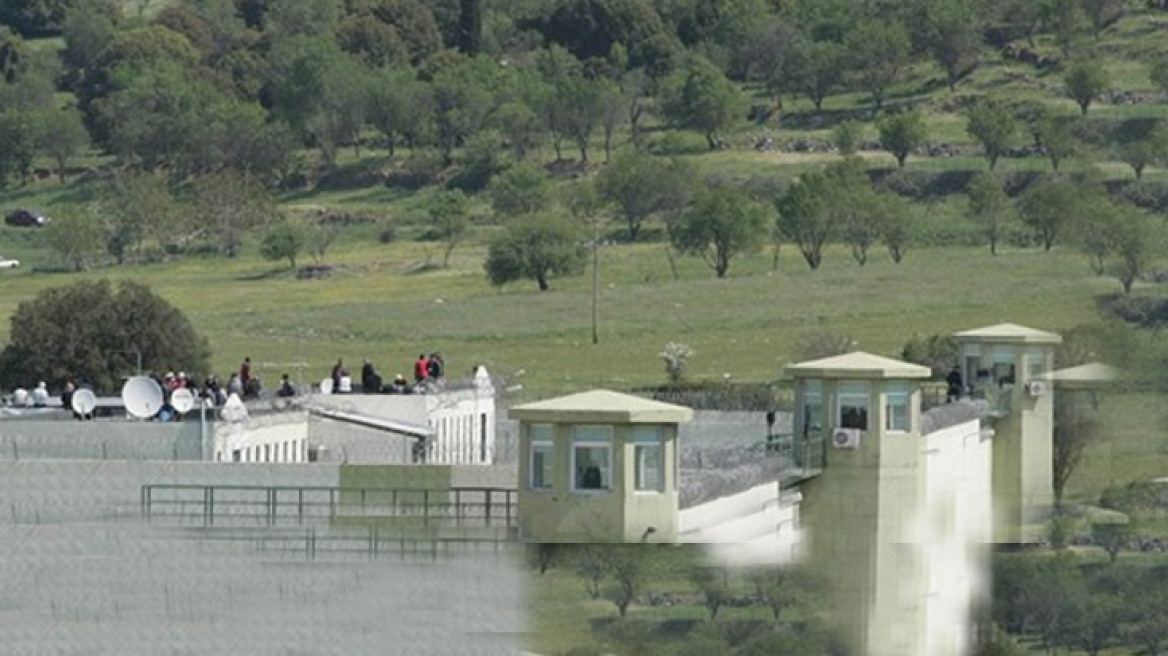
<point>387,235</point>
<point>676,357</point>
<point>846,137</point>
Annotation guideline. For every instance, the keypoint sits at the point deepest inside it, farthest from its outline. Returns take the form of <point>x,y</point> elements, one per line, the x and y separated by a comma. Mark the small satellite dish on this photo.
<point>142,397</point>
<point>83,402</point>
<point>182,400</point>
<point>326,386</point>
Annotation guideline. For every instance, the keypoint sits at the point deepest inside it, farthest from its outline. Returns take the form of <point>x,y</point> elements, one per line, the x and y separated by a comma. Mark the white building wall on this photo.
<point>276,438</point>
<point>463,421</point>
<point>953,530</point>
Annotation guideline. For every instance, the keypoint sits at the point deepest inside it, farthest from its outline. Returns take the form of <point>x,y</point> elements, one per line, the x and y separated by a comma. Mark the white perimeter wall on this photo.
<point>463,421</point>
<point>954,530</point>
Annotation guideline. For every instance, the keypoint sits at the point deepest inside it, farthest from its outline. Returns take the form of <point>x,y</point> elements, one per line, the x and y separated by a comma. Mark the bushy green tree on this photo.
<point>1055,136</point>
<point>640,186</point>
<point>137,207</point>
<point>901,133</point>
<point>231,204</point>
<point>450,218</point>
<point>1048,207</point>
<point>1066,20</point>
<point>720,223</point>
<point>1136,242</point>
<point>285,240</point>
<point>804,217</point>
<point>61,135</point>
<point>76,237</point>
<point>953,32</point>
<point>521,189</point>
<point>1146,149</point>
<point>878,51</point>
<point>462,99</point>
<point>1102,13</point>
<point>1085,80</point>
<point>994,125</point>
<point>535,247</point>
<point>90,331</point>
<point>990,208</point>
<point>813,68</point>
<point>699,97</point>
<point>846,136</point>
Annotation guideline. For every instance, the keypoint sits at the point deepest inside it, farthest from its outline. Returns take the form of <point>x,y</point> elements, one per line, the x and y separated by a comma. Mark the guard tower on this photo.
<point>861,510</point>
<point>598,466</point>
<point>1009,366</point>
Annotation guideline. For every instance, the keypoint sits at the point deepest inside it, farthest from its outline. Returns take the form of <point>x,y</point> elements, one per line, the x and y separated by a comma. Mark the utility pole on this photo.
<point>595,281</point>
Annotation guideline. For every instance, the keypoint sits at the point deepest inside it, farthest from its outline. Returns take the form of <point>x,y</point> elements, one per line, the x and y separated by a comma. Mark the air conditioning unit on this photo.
<point>846,438</point>
<point>1036,388</point>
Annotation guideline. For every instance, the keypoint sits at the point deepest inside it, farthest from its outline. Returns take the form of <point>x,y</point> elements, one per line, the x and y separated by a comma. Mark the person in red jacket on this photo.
<point>420,369</point>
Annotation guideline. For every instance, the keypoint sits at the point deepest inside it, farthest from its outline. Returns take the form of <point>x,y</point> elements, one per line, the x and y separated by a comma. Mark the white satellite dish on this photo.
<point>326,386</point>
<point>182,400</point>
<point>142,397</point>
<point>83,402</point>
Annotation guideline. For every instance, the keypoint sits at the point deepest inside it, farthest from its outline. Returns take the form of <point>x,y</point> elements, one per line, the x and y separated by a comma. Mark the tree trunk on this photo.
<point>994,246</point>
<point>672,262</point>
<point>541,278</point>
<point>713,143</point>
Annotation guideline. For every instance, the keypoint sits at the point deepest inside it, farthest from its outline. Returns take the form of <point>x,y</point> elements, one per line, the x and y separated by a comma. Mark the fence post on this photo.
<point>208,501</point>
<point>426,508</point>
<point>271,506</point>
<point>488,508</point>
<point>509,502</point>
<point>300,506</point>
<point>457,507</point>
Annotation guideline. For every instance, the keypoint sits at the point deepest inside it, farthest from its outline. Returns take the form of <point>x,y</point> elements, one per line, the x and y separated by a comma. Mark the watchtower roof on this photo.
<point>1009,333</point>
<point>602,407</point>
<point>858,364</point>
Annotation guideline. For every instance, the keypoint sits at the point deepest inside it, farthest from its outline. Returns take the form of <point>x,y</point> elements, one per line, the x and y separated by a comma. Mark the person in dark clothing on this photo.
<point>245,372</point>
<point>337,369</point>
<point>67,399</point>
<point>956,389</point>
<point>370,380</point>
<point>286,390</point>
<point>421,370</point>
<point>434,366</point>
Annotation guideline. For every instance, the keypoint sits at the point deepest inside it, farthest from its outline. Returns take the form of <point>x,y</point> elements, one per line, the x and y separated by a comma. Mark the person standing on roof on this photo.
<point>421,368</point>
<point>40,395</point>
<point>336,374</point>
<point>434,366</point>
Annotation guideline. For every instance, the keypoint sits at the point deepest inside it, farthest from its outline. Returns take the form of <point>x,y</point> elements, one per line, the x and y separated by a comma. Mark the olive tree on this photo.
<point>720,223</point>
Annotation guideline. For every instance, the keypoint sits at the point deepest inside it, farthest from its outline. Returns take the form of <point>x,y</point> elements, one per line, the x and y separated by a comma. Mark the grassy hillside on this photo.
<point>384,303</point>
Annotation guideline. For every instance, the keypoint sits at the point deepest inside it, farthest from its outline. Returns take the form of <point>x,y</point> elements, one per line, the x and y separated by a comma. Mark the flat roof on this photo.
<point>858,364</point>
<point>601,407</point>
<point>1084,376</point>
<point>1009,333</point>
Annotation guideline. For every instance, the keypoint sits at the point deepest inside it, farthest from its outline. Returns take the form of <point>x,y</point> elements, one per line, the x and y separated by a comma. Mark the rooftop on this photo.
<point>601,406</point>
<point>1084,376</point>
<point>857,364</point>
<point>1009,333</point>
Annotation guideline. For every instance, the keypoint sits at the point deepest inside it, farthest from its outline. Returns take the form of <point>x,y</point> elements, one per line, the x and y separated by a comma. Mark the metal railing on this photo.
<point>802,456</point>
<point>372,542</point>
<point>286,505</point>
